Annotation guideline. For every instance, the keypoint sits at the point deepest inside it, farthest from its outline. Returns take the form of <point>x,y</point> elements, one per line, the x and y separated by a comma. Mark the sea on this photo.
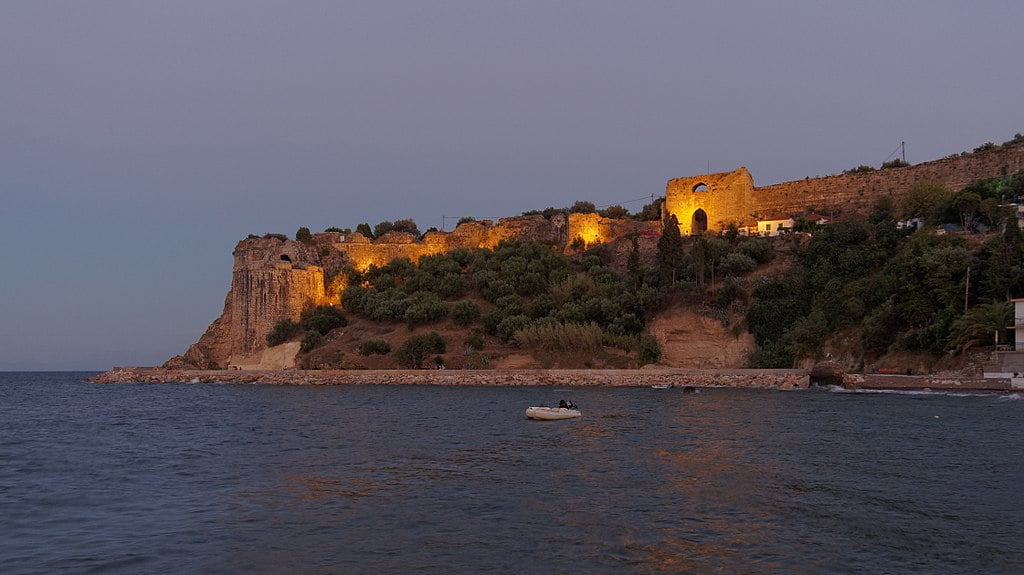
<point>219,478</point>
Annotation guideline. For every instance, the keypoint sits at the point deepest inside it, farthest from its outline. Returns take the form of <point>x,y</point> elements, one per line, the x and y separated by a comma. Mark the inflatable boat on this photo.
<point>550,413</point>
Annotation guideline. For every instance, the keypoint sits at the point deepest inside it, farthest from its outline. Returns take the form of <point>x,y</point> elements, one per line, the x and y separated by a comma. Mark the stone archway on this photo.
<point>699,222</point>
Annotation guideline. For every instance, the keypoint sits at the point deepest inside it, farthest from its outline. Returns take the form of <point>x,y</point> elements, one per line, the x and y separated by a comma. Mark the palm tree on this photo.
<point>981,325</point>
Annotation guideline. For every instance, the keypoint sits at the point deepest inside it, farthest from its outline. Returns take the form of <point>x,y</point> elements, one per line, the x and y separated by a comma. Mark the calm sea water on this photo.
<point>180,478</point>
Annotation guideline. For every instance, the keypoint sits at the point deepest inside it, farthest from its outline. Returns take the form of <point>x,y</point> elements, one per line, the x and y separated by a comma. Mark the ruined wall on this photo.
<point>362,252</point>
<point>859,192</point>
<point>593,229</point>
<point>731,197</point>
<point>721,199</point>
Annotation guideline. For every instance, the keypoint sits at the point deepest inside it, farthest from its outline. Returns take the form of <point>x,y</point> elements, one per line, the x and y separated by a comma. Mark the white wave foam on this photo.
<point>837,389</point>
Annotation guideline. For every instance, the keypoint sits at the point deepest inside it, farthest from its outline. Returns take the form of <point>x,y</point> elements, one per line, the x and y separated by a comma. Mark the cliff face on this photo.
<point>272,279</point>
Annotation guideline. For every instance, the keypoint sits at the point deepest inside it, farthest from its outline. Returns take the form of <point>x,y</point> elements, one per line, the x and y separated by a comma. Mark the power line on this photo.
<point>902,147</point>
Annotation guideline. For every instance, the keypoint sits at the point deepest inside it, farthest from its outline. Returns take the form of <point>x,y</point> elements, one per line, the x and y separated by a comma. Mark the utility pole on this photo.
<point>903,149</point>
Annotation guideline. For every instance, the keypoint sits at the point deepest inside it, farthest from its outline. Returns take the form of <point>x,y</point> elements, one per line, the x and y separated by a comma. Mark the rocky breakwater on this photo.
<point>739,378</point>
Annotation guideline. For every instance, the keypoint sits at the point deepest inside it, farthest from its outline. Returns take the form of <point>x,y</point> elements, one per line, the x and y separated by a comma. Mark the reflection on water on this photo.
<point>178,478</point>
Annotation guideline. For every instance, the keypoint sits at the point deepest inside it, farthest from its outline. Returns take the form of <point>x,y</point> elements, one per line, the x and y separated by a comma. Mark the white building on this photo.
<point>773,227</point>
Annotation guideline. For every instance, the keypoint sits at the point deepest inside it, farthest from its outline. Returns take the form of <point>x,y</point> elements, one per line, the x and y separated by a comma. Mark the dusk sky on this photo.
<point>139,141</point>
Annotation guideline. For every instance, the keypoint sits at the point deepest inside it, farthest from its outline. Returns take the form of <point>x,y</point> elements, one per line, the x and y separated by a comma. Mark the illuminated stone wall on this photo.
<point>362,252</point>
<point>593,229</point>
<point>722,198</point>
<point>731,197</point>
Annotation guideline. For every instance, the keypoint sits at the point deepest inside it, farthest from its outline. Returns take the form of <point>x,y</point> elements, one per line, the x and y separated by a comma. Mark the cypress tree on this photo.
<point>670,251</point>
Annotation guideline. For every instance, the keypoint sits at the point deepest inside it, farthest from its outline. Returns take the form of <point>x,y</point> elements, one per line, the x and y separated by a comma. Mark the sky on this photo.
<point>139,141</point>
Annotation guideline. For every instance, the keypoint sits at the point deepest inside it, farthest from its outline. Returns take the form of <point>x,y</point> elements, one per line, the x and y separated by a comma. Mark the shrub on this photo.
<point>418,347</point>
<point>509,304</point>
<point>310,340</point>
<point>582,207</point>
<point>556,336</point>
<point>423,307</point>
<point>282,332</point>
<point>861,169</point>
<point>375,347</point>
<point>737,264</point>
<point>897,163</point>
<point>495,289</point>
<point>474,341</point>
<point>323,319</point>
<point>650,350</point>
<point>510,325</point>
<point>465,312</point>
<point>758,248</point>
<point>450,286</point>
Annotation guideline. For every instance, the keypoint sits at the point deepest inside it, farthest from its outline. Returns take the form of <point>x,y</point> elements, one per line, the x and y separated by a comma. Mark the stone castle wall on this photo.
<point>859,192</point>
<point>593,229</point>
<point>363,252</point>
<point>717,199</point>
<point>731,197</point>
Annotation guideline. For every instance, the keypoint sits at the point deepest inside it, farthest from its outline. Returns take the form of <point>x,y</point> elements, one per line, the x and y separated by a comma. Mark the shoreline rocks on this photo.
<point>780,379</point>
<point>746,378</point>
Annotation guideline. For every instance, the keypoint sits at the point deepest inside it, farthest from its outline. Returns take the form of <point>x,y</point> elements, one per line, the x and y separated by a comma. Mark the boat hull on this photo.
<point>551,413</point>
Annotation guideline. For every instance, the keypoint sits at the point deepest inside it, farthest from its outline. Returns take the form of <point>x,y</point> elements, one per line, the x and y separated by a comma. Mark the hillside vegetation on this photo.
<point>863,289</point>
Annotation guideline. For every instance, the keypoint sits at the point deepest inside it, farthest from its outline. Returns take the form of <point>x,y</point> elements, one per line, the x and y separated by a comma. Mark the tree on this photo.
<point>416,348</point>
<point>633,264</point>
<point>283,331</point>
<point>582,207</point>
<point>925,200</point>
<point>670,251</point>
<point>304,236</point>
<point>651,211</point>
<point>981,325</point>
<point>408,226</point>
<point>966,204</point>
<point>364,228</point>
<point>382,228</point>
<point>322,319</point>
<point>615,212</point>
<point>310,340</point>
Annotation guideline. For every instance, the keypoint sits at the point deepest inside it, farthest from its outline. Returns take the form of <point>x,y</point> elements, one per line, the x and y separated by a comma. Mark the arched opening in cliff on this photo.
<point>285,258</point>
<point>699,223</point>
<point>701,188</point>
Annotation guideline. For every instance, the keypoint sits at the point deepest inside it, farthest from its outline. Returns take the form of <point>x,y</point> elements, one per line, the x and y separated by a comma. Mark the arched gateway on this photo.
<point>710,202</point>
<point>699,222</point>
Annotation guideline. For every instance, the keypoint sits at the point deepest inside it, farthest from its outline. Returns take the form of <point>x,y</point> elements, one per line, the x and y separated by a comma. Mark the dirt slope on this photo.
<point>689,339</point>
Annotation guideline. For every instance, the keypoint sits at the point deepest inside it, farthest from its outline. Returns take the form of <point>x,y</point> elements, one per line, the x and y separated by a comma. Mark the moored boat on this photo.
<point>551,413</point>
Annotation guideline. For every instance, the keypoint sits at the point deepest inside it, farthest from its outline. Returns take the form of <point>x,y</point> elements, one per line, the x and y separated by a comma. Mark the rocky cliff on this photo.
<point>272,279</point>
